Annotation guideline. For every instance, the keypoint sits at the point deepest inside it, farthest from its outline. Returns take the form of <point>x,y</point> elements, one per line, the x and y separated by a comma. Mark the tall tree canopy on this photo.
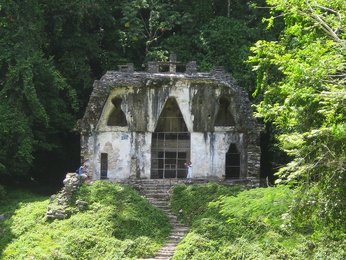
<point>52,51</point>
<point>35,100</point>
<point>301,87</point>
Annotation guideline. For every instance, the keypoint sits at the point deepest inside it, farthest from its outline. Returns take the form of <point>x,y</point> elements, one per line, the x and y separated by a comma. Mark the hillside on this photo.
<point>226,222</point>
<point>117,224</point>
<point>261,223</point>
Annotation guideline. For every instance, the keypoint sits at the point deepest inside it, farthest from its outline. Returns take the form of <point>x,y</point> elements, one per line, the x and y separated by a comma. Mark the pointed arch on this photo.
<point>224,116</point>
<point>170,143</point>
<point>117,116</point>
<point>232,162</point>
<point>171,119</point>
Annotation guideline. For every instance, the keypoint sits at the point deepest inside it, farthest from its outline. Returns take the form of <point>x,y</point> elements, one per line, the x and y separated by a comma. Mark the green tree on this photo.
<point>301,79</point>
<point>145,22</point>
<point>31,89</point>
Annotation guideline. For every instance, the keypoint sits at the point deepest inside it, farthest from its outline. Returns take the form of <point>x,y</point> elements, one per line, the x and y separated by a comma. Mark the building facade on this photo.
<point>147,125</point>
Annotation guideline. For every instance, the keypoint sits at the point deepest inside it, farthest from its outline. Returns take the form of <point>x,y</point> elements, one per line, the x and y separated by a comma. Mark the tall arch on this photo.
<point>170,143</point>
<point>224,116</point>
<point>117,116</point>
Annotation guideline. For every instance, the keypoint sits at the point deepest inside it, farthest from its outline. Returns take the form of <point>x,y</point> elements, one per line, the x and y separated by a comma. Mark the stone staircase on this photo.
<point>157,193</point>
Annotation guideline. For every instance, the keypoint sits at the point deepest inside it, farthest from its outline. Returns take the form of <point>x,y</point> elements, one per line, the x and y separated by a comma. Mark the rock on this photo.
<point>61,202</point>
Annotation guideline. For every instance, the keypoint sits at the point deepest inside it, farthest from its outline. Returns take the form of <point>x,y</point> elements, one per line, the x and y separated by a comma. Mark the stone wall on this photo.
<point>61,205</point>
<point>143,96</point>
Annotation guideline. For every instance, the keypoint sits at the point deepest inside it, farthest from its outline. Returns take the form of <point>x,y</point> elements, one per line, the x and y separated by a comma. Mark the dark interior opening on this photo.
<point>224,116</point>
<point>170,144</point>
<point>117,116</point>
<point>232,162</point>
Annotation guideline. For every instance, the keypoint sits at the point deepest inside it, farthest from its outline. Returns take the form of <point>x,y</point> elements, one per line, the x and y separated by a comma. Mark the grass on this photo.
<point>232,223</point>
<point>226,223</point>
<point>118,224</point>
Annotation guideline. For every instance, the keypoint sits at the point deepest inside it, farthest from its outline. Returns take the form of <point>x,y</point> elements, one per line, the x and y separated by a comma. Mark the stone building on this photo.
<point>148,124</point>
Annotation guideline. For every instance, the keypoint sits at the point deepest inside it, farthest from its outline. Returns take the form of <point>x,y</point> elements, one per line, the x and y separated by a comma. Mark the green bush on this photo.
<point>250,224</point>
<point>117,224</point>
<point>189,202</point>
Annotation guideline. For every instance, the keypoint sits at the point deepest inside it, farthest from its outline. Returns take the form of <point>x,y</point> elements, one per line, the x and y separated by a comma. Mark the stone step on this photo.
<point>158,200</point>
<point>157,195</point>
<point>169,254</point>
<point>167,249</point>
<point>180,230</point>
<point>157,192</point>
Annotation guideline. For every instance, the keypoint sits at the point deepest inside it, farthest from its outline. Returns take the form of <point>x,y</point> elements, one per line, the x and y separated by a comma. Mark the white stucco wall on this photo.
<point>208,153</point>
<point>124,149</point>
<point>129,153</point>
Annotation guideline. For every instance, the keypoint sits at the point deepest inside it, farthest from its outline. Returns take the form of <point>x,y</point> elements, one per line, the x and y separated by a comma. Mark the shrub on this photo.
<point>250,224</point>
<point>118,224</point>
<point>190,202</point>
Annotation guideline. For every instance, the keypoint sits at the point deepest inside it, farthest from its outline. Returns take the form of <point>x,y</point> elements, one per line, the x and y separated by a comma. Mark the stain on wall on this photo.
<point>143,96</point>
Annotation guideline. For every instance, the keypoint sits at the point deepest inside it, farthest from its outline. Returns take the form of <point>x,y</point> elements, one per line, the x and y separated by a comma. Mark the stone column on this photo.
<point>191,67</point>
<point>254,157</point>
<point>172,63</point>
<point>153,67</point>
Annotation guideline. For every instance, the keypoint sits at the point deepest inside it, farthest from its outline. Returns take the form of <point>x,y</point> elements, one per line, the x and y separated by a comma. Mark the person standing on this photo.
<point>188,166</point>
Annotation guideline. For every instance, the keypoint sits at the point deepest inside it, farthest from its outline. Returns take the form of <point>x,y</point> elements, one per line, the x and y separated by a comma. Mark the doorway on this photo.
<point>170,144</point>
<point>232,162</point>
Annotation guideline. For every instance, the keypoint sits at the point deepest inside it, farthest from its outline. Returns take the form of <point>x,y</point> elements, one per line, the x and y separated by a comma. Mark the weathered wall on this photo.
<point>143,98</point>
<point>208,153</point>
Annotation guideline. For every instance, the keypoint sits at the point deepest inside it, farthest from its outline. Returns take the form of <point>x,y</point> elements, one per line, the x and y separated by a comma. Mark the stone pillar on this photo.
<point>254,161</point>
<point>153,67</point>
<point>172,63</point>
<point>129,68</point>
<point>191,67</point>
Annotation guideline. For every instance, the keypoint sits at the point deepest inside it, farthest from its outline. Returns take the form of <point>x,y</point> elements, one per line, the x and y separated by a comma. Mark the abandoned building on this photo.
<point>148,124</point>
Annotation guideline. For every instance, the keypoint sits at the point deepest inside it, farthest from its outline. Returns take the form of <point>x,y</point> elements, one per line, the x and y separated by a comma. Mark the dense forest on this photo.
<point>52,51</point>
<point>288,54</point>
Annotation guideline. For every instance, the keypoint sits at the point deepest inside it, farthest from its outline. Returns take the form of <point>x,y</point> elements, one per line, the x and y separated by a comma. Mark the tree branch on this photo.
<point>325,27</point>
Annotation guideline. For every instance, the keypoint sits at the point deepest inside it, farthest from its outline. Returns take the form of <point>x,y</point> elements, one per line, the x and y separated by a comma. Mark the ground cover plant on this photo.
<point>251,224</point>
<point>118,224</point>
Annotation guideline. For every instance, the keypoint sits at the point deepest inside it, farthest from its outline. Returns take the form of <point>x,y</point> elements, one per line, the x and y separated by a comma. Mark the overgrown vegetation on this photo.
<point>117,224</point>
<point>190,202</point>
<point>301,87</point>
<point>251,224</point>
<point>51,52</point>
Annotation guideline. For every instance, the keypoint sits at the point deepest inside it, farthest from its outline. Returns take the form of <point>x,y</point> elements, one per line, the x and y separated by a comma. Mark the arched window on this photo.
<point>224,116</point>
<point>117,116</point>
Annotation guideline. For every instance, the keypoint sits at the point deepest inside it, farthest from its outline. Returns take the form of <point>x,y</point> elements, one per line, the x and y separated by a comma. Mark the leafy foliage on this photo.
<point>30,90</point>
<point>117,224</point>
<point>252,224</point>
<point>189,202</point>
<point>147,21</point>
<point>301,82</point>
<point>52,51</point>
